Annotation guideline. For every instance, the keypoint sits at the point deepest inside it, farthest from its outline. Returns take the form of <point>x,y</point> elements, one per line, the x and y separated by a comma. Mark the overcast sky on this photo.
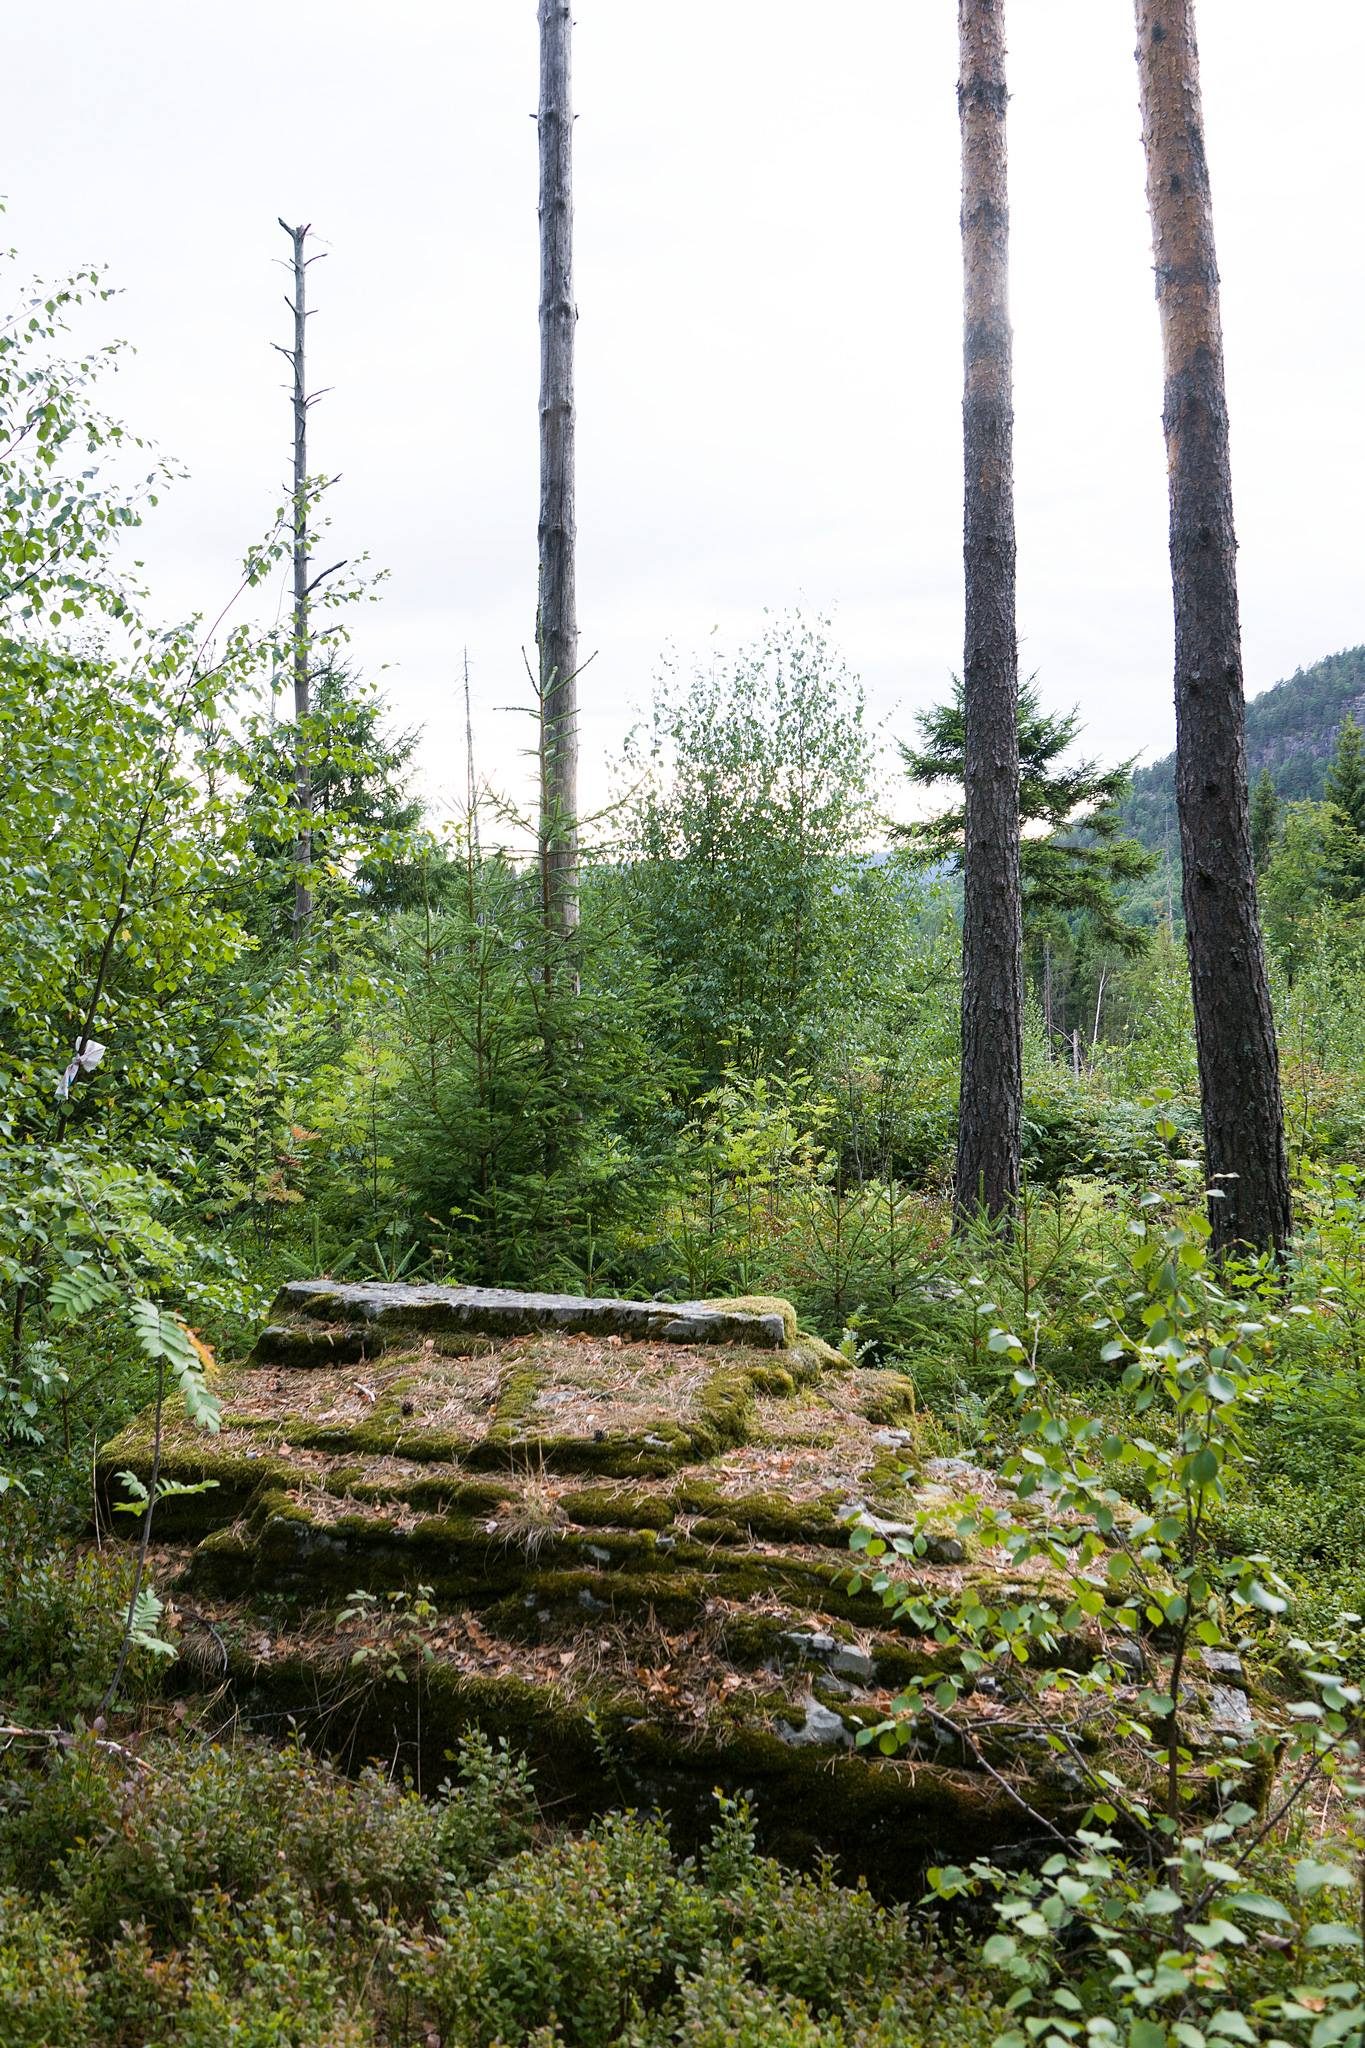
<point>768,340</point>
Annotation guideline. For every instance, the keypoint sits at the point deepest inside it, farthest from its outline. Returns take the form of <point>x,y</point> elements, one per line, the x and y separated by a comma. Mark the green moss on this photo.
<point>615,1457</point>
<point>896,1664</point>
<point>771,1516</point>
<point>759,1305</point>
<point>618,1507</point>
<point>384,1435</point>
<point>723,1412</point>
<point>304,1347</point>
<point>465,1344</point>
<point>892,1399</point>
<point>517,1400</point>
<point>773,1380</point>
<point>440,1493</point>
<point>753,1636</point>
<point>191,1456</point>
<point>580,1599</point>
<point>890,1480</point>
<point>814,1356</point>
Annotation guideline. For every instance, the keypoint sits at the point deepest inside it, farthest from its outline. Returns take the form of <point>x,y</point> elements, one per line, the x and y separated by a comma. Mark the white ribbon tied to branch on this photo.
<point>88,1056</point>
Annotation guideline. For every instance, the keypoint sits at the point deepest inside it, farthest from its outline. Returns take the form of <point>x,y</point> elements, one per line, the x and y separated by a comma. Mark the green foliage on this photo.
<point>1314,866</point>
<point>1345,783</point>
<point>61,1617</point>
<point>369,854</point>
<point>227,1820</point>
<point>205,1895</point>
<point>1073,866</point>
<point>1137,1932</point>
<point>274,1977</point>
<point>517,1081</point>
<point>1265,820</point>
<point>44,1993</point>
<point>750,808</point>
<point>588,1933</point>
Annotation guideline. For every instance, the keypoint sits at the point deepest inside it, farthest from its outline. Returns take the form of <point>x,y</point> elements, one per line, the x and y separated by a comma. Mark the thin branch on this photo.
<point>62,1738</point>
<point>969,1741</point>
<point>140,1569</point>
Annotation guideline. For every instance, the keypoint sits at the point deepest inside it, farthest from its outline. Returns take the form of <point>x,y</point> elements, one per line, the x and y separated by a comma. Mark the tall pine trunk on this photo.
<point>1234,1025</point>
<point>556,608</point>
<point>992,924</point>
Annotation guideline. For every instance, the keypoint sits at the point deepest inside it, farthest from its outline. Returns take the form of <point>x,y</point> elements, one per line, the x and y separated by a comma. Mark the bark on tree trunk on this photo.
<point>556,609</point>
<point>992,932</point>
<point>1234,1024</point>
<point>303,774</point>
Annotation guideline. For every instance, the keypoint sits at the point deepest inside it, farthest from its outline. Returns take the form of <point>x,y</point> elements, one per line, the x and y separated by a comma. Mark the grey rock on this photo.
<point>1223,1663</point>
<point>597,1553</point>
<point>807,1642</point>
<point>590,1603</point>
<point>511,1312</point>
<point>1230,1712</point>
<point>851,1662</point>
<point>884,1526</point>
<point>1126,1652</point>
<point>845,1660</point>
<point>287,1344</point>
<point>959,1470</point>
<point>938,1548</point>
<point>821,1728</point>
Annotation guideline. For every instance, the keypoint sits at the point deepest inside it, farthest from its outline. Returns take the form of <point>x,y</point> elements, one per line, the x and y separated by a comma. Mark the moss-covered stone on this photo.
<point>759,1305</point>
<point>737,1518</point>
<point>618,1507</point>
<point>292,1344</point>
<point>638,1558</point>
<point>890,1398</point>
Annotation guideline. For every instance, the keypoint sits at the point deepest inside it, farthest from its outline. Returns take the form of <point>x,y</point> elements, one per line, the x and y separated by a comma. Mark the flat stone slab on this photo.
<point>382,1306</point>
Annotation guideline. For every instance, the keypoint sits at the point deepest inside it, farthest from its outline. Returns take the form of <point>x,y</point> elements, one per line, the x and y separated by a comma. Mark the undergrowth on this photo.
<point>192,1893</point>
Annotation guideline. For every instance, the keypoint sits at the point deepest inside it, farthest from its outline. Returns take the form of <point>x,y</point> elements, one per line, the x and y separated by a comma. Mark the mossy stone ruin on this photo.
<point>632,1519</point>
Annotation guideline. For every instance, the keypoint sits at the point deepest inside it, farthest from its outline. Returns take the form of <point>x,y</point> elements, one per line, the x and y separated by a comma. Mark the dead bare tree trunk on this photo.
<point>303,777</point>
<point>1234,1024</point>
<point>988,1132</point>
<point>471,787</point>
<point>556,605</point>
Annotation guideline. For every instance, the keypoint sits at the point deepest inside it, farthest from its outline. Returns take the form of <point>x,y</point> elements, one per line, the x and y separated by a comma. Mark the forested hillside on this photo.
<point>1291,731</point>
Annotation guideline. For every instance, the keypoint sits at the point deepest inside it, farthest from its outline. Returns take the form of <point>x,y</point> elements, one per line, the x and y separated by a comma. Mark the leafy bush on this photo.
<point>267,1976</point>
<point>1135,1928</point>
<point>118,1844</point>
<point>834,1948</point>
<point>589,1933</point>
<point>62,1612</point>
<point>44,1995</point>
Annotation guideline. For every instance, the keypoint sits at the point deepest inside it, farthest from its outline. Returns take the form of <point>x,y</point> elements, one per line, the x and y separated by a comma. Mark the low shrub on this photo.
<point>589,1933</point>
<point>118,1842</point>
<point>61,1621</point>
<point>44,1993</point>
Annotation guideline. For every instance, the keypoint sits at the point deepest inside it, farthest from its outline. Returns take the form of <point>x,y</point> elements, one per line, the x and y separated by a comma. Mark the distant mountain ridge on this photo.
<point>1291,730</point>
